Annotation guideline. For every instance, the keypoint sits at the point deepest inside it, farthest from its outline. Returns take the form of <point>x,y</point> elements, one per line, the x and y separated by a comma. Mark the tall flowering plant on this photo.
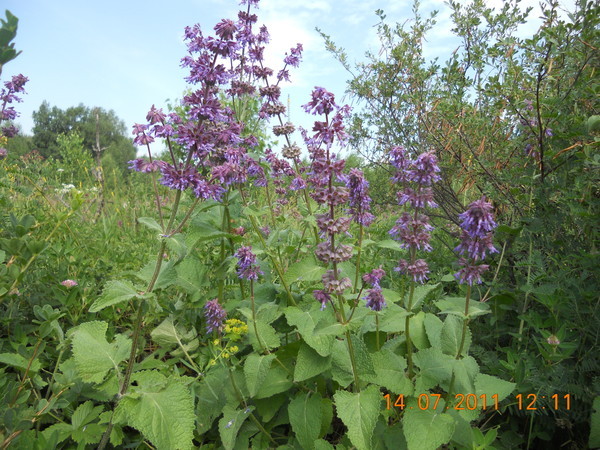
<point>412,229</point>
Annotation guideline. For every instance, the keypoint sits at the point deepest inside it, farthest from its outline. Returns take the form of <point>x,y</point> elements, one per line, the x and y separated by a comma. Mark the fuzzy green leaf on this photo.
<point>150,223</point>
<point>435,368</point>
<point>390,372</point>
<point>310,363</point>
<point>168,334</point>
<point>266,333</point>
<point>489,385</point>
<point>94,356</point>
<point>317,329</point>
<point>359,412</point>
<point>426,429</point>
<point>451,336</point>
<point>306,270</point>
<point>230,424</point>
<point>211,397</point>
<point>305,414</point>
<point>456,306</point>
<point>256,368</point>
<point>116,291</point>
<point>161,408</point>
<point>275,382</point>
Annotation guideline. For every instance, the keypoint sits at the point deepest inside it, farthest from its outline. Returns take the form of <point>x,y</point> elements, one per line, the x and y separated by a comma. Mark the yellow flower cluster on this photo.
<point>235,326</point>
<point>3,140</point>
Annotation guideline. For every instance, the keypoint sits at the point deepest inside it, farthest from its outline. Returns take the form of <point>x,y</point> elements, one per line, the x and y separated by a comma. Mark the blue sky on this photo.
<point>124,55</point>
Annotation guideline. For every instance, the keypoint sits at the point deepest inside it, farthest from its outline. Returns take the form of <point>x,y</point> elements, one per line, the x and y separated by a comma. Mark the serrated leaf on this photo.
<point>465,371</point>
<point>451,336</point>
<point>94,356</point>
<point>456,306</point>
<point>341,366</point>
<point>151,223</point>
<point>306,270</point>
<point>309,363</point>
<point>267,336</point>
<point>256,368</point>
<point>230,424</point>
<point>390,245</point>
<point>359,412</point>
<point>426,429</point>
<point>169,334</point>
<point>305,417</point>
<point>390,372</point>
<point>115,292</point>
<point>191,275</point>
<point>276,381</point>
<point>161,408</point>
<point>435,368</point>
<point>418,334</point>
<point>306,322</point>
<point>433,329</point>
<point>210,392</point>
<point>166,276</point>
<point>420,294</point>
<point>489,385</point>
<point>20,362</point>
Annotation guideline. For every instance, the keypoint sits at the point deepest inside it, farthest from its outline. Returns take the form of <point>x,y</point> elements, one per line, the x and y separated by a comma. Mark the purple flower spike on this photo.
<point>247,267</point>
<point>470,273</point>
<point>215,315</point>
<point>374,277</point>
<point>478,220</point>
<point>375,299</point>
<point>360,202</point>
<point>322,102</point>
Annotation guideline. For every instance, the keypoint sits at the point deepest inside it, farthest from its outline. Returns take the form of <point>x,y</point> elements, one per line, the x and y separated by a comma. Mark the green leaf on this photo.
<point>465,371</point>
<point>230,424</point>
<point>594,440</point>
<point>451,336</point>
<point>490,385</point>
<point>310,363</point>
<point>191,275</point>
<point>433,329</point>
<point>275,382</point>
<point>150,223</point>
<point>435,368</point>
<point>426,429</point>
<point>456,306</point>
<point>362,357</point>
<point>168,334</point>
<point>417,331</point>
<point>210,392</point>
<point>20,362</point>
<point>359,412</point>
<point>161,408</point>
<point>166,277</point>
<point>422,293</point>
<point>317,329</point>
<point>94,355</point>
<point>305,417</point>
<point>390,372</point>
<point>390,245</point>
<point>115,292</point>
<point>267,334</point>
<point>256,368</point>
<point>306,270</point>
<point>341,366</point>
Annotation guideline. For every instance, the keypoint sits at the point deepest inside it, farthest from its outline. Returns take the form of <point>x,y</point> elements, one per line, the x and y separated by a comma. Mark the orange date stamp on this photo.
<point>470,402</point>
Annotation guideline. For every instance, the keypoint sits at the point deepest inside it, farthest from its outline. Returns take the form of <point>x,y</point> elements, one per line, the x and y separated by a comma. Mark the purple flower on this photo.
<point>322,297</point>
<point>69,283</point>
<point>145,166</point>
<point>470,273</point>
<point>360,202</point>
<point>215,315</point>
<point>375,299</point>
<point>3,153</point>
<point>247,267</point>
<point>425,169</point>
<point>322,102</point>
<point>374,277</point>
<point>419,269</point>
<point>478,219</point>
<point>293,59</point>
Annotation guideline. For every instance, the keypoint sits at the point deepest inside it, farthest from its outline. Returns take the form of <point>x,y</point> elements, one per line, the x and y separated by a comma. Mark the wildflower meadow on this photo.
<point>418,271</point>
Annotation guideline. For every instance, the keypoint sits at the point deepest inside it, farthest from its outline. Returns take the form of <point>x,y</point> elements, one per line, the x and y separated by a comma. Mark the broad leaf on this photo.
<point>306,270</point>
<point>390,372</point>
<point>456,306</point>
<point>230,424</point>
<point>489,385</point>
<point>161,408</point>
<point>435,368</point>
<point>310,363</point>
<point>94,356</point>
<point>451,336</point>
<point>317,329</point>
<point>115,292</point>
<point>305,414</point>
<point>359,412</point>
<point>426,429</point>
<point>256,368</point>
<point>150,223</point>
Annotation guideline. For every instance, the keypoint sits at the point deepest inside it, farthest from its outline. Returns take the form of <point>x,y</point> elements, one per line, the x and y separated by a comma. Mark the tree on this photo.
<point>90,124</point>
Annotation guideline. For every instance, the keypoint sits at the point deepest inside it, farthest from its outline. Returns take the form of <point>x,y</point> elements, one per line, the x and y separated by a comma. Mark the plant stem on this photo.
<point>360,239</point>
<point>409,355</point>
